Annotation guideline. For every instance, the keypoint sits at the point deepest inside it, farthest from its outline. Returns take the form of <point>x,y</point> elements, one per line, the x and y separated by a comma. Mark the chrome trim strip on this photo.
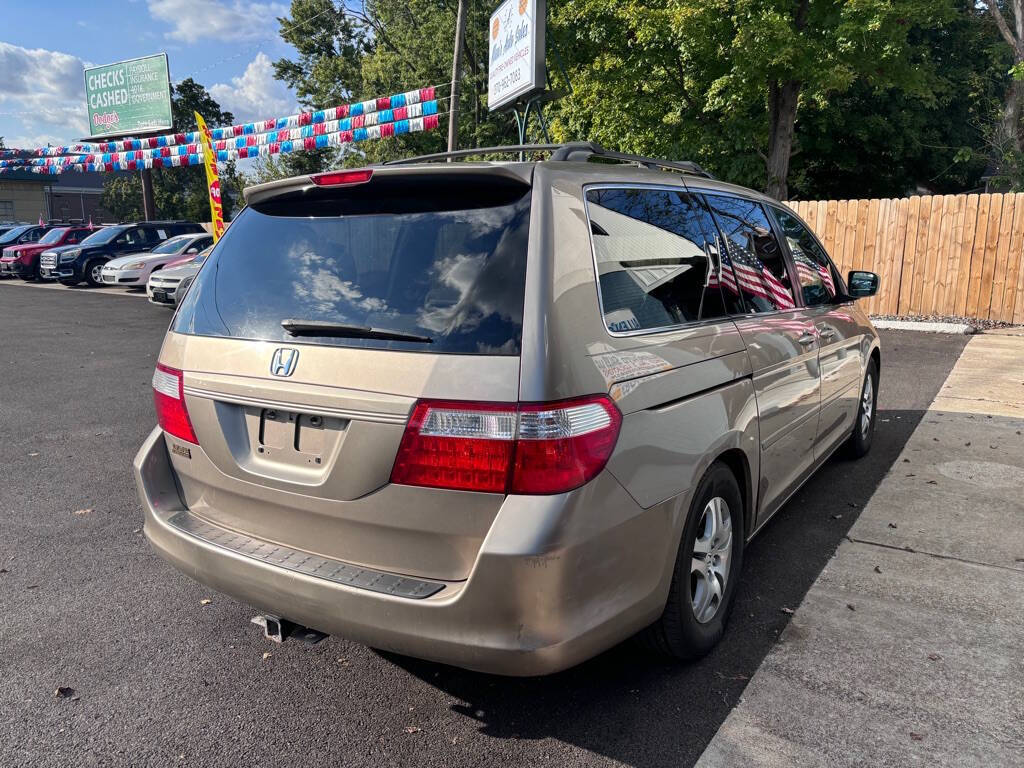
<point>320,410</point>
<point>302,562</point>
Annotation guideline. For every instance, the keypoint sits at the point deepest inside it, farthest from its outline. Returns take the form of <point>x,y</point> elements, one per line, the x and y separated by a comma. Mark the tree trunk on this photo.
<point>1009,137</point>
<point>782,101</point>
<point>453,116</point>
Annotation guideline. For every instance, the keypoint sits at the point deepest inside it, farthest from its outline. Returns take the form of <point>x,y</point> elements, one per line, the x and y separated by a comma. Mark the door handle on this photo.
<point>827,334</point>
<point>807,338</point>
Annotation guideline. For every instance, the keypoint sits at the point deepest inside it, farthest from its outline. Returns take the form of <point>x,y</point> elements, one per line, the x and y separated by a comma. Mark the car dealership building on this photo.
<point>25,196</point>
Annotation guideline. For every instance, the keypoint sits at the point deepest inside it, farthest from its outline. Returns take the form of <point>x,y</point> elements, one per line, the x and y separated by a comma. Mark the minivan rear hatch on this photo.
<point>328,308</point>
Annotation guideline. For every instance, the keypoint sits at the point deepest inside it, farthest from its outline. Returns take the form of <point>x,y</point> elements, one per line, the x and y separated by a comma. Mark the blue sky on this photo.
<point>226,45</point>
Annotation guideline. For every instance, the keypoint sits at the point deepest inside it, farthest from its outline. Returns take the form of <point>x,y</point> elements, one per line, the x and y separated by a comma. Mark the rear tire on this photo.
<point>859,442</point>
<point>707,570</point>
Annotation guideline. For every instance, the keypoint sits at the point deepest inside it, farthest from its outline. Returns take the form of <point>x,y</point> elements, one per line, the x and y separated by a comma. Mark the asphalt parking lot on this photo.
<point>160,678</point>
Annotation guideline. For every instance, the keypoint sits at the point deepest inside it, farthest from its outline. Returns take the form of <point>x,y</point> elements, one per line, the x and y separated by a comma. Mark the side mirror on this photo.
<point>861,285</point>
<point>192,250</point>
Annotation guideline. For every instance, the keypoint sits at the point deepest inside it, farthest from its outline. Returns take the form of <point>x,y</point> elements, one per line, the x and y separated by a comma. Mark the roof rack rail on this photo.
<point>580,151</point>
<point>501,150</point>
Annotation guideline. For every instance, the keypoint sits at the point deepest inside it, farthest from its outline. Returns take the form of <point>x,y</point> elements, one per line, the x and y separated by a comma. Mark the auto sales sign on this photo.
<point>129,97</point>
<point>516,36</point>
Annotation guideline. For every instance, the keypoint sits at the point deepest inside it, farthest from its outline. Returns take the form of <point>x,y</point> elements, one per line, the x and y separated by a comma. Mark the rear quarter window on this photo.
<point>443,258</point>
<point>654,250</point>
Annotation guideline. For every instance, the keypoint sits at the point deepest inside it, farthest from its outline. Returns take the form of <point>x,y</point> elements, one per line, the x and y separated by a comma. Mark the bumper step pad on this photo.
<point>303,562</point>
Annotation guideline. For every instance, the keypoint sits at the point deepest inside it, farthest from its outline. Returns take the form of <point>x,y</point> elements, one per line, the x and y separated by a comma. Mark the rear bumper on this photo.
<point>540,598</point>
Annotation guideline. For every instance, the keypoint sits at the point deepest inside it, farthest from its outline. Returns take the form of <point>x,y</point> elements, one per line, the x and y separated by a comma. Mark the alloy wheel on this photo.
<point>867,406</point>
<point>709,567</point>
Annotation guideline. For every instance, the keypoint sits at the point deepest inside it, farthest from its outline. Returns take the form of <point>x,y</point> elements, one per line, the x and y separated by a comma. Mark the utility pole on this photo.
<point>453,106</point>
<point>148,206</point>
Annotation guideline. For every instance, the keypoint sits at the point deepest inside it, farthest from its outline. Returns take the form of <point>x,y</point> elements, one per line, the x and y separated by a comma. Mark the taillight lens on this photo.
<point>169,399</point>
<point>525,448</point>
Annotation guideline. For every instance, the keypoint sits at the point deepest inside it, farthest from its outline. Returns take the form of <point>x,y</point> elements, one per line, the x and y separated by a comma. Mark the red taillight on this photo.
<point>342,178</point>
<point>169,399</point>
<point>525,448</point>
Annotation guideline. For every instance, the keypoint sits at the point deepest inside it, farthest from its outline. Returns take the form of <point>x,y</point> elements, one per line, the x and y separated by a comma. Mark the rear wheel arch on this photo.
<point>736,461</point>
<point>876,355</point>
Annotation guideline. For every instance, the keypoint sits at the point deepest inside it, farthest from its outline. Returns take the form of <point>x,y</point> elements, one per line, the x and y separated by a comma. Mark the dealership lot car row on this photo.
<point>121,255</point>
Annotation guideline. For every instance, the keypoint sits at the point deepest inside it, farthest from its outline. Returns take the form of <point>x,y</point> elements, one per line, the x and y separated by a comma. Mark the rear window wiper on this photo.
<point>348,331</point>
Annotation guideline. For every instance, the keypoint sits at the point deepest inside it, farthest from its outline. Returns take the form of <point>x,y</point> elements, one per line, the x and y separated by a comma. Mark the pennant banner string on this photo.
<point>130,162</point>
<point>364,109</point>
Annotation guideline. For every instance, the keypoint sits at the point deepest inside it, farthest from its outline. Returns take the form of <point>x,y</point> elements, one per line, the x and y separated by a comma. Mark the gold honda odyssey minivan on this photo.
<point>502,415</point>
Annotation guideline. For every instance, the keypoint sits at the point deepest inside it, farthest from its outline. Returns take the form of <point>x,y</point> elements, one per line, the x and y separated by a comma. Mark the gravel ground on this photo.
<point>979,324</point>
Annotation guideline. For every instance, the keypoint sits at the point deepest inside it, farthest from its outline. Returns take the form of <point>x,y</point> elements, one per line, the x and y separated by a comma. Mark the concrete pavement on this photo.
<point>909,647</point>
<point>161,677</point>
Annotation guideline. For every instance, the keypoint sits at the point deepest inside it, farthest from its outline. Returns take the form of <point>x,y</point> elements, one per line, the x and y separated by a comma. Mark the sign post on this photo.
<point>148,204</point>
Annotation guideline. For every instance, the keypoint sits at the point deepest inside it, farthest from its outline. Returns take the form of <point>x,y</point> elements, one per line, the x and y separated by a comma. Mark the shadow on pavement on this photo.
<point>636,709</point>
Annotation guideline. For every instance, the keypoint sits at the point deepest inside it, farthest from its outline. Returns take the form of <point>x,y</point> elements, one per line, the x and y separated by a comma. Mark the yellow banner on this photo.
<point>212,179</point>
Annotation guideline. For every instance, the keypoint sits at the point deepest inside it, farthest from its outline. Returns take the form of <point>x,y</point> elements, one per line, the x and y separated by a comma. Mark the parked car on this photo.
<point>7,226</point>
<point>501,415</point>
<point>25,234</point>
<point>23,260</point>
<point>167,286</point>
<point>136,268</point>
<point>85,262</point>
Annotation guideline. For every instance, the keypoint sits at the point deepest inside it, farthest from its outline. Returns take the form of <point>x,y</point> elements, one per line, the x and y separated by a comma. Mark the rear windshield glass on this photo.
<point>439,258</point>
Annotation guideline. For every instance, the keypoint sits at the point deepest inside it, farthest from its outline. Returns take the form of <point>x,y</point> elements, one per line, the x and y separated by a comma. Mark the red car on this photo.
<point>23,260</point>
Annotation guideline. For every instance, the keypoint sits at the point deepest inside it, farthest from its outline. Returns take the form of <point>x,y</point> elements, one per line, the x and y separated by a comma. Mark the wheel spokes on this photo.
<point>709,564</point>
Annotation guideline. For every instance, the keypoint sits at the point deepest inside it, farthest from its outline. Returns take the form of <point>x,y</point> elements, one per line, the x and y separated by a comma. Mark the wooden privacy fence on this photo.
<point>942,254</point>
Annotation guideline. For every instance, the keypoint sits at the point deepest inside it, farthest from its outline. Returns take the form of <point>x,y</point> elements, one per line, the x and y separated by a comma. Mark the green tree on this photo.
<point>380,47</point>
<point>178,193</point>
<point>867,142</point>
<point>330,42</point>
<point>416,51</point>
<point>726,79</point>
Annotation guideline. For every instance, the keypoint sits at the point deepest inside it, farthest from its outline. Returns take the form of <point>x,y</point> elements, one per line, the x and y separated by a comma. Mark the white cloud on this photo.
<point>255,95</point>
<point>234,20</point>
<point>39,73</point>
<point>45,90</point>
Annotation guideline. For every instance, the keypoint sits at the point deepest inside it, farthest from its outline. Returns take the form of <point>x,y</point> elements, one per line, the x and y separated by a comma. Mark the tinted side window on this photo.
<point>758,266</point>
<point>131,237</point>
<point>813,268</point>
<point>654,251</point>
